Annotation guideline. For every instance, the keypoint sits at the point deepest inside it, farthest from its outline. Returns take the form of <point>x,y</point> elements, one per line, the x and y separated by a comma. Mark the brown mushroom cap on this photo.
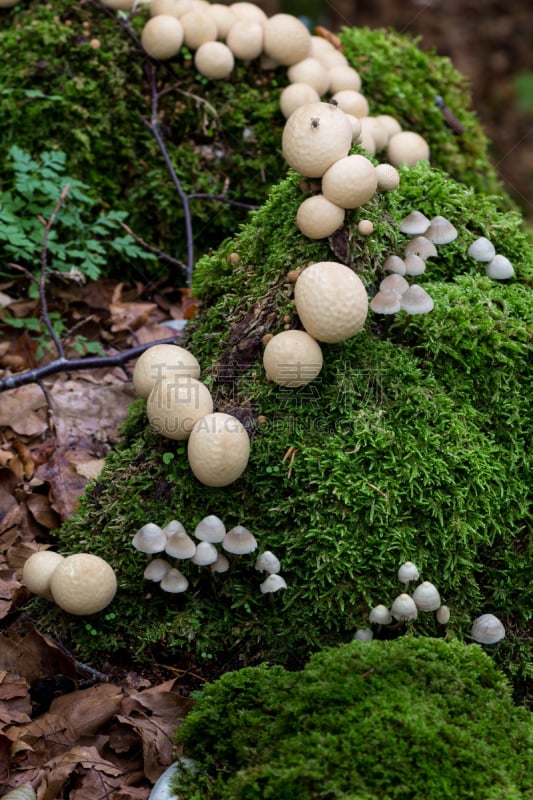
<point>314,137</point>
<point>162,36</point>
<point>287,40</point>
<point>37,571</point>
<point>218,449</point>
<point>175,404</point>
<point>292,359</point>
<point>83,584</point>
<point>159,361</point>
<point>350,182</point>
<point>331,301</point>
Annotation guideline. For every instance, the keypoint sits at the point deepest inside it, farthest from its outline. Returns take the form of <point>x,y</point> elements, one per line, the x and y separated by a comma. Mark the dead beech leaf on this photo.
<point>34,656</point>
<point>160,701</point>
<point>15,703</point>
<point>155,735</point>
<point>24,410</point>
<point>90,470</point>
<point>130,316</point>
<point>87,710</point>
<point>76,761</point>
<point>42,511</point>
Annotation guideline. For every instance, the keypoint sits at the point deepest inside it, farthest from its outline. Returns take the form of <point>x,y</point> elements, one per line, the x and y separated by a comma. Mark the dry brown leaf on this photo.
<point>88,710</point>
<point>15,703</point>
<point>33,655</point>
<point>90,470</point>
<point>75,761</point>
<point>160,701</point>
<point>42,511</point>
<point>156,743</point>
<point>24,410</point>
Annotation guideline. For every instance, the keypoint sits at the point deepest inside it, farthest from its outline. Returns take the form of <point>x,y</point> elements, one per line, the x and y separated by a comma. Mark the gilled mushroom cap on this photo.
<point>386,302</point>
<point>239,540</point>
<point>408,572</point>
<point>38,570</point>
<point>394,264</point>
<point>150,539</point>
<point>499,268</point>
<point>363,635</point>
<point>441,231</point>
<point>394,283</point>
<point>426,597</point>
<point>414,224</point>
<point>180,545</point>
<point>416,300</point>
<point>210,529</point>
<point>221,564</point>
<point>174,582</point>
<point>83,583</point>
<point>482,249</point>
<point>404,608</point>
<point>156,570</point>
<point>487,629</point>
<point>414,265</point>
<point>273,583</point>
<point>420,246</point>
<point>172,527</point>
<point>380,615</point>
<point>268,562</point>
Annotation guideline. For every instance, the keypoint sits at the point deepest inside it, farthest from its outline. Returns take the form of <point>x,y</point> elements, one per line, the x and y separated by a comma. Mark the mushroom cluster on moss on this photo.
<point>174,548</point>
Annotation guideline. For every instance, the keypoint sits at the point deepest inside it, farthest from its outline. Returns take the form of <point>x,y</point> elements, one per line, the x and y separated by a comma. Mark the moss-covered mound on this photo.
<point>414,443</point>
<point>413,718</point>
<point>74,79</point>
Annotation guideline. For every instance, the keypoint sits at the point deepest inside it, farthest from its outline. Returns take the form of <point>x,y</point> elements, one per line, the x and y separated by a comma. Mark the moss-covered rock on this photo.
<point>406,719</point>
<point>412,444</point>
<point>75,79</point>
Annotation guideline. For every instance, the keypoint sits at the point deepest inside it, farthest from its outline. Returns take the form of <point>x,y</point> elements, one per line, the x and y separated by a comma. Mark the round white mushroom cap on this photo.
<point>487,629</point>
<point>83,583</point>
<point>388,177</point>
<point>210,529</point>
<point>404,608</point>
<point>295,95</point>
<point>441,231</point>
<point>245,39</point>
<point>214,60</point>
<point>206,553</point>
<point>386,302</point>
<point>218,449</point>
<point>176,403</point>
<point>309,70</point>
<point>198,27</point>
<point>499,268</point>
<point>414,265</point>
<point>37,571</point>
<point>350,182</point>
<point>150,539</point>
<point>482,249</point>
<point>161,360</point>
<point>426,597</point>
<point>420,246</point>
<point>180,545</point>
<point>407,147</point>
<point>273,583</point>
<point>292,358</point>
<point>174,582</point>
<point>286,40</point>
<point>363,635</point>
<point>318,217</point>
<point>408,572</point>
<point>268,562</point>
<point>380,615</point>
<point>314,137</point>
<point>239,541</point>
<point>162,36</point>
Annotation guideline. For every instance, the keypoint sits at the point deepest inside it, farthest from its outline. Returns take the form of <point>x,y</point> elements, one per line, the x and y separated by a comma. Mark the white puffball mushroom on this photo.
<point>331,301</point>
<point>273,583</point>
<point>246,10</point>
<point>174,582</point>
<point>407,147</point>
<point>356,128</point>
<point>198,27</point>
<point>380,615</point>
<point>415,300</point>
<point>365,227</point>
<point>414,224</point>
<point>351,102</point>
<point>150,539</point>
<point>245,39</point>
<point>376,130</point>
<point>426,597</point>
<point>37,571</point>
<point>295,95</point>
<point>408,572</point>
<point>170,7</point>
<point>268,562</point>
<point>487,629</point>
<point>218,449</point>
<point>214,60</point>
<point>83,583</point>
<point>210,529</point>
<point>292,358</point>
<point>499,268</point>
<point>390,124</point>
<point>162,37</point>
<point>314,137</point>
<point>160,361</point>
<point>224,18</point>
<point>309,70</point>
<point>388,177</point>
<point>156,570</point>
<point>317,217</point>
<point>205,554</point>
<point>442,615</point>
<point>239,541</point>
<point>350,182</point>
<point>287,40</point>
<point>175,404</point>
<point>482,249</point>
<point>404,608</point>
<point>441,231</point>
<point>363,635</point>
<point>343,77</point>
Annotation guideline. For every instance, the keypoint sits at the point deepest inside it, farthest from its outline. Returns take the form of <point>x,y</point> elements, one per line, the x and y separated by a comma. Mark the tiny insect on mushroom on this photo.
<point>351,102</point>
<point>218,449</point>
<point>317,217</point>
<point>404,608</point>
<point>159,361</point>
<point>420,246</point>
<point>150,539</point>
<point>83,583</point>
<point>239,541</point>
<point>210,529</point>
<point>314,137</point>
<point>380,615</point>
<point>273,583</point>
<point>174,582</point>
<point>414,224</point>
<point>162,37</point>
<point>426,597</point>
<point>416,300</point>
<point>214,60</point>
<point>408,572</point>
<point>441,231</point>
<point>499,268</point>
<point>292,359</point>
<point>268,562</point>
<point>156,570</point>
<point>482,249</point>
<point>37,571</point>
<point>487,629</point>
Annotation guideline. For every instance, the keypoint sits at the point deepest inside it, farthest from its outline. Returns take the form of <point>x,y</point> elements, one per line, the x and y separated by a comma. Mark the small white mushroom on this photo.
<point>292,359</point>
<point>156,570</point>
<point>273,583</point>
<point>388,177</point>
<point>404,608</point>
<point>380,615</point>
<point>218,449</point>
<point>150,539</point>
<point>180,545</point>
<point>416,300</point>
<point>441,231</point>
<point>442,615</point>
<point>174,582</point>
<point>309,70</point>
<point>414,224</point>
<point>162,36</point>
<point>408,572</point>
<point>221,564</point>
<point>420,246</point>
<point>205,554</point>
<point>286,39</point>
<point>386,302</point>
<point>407,147</point>
<point>414,265</point>
<point>317,217</point>
<point>394,264</point>
<point>38,570</point>
<point>499,268</point>
<point>295,95</point>
<point>394,283</point>
<point>343,76</point>
<point>245,39</point>
<point>214,60</point>
<point>426,597</point>
<point>351,102</point>
<point>268,562</point>
<point>314,137</point>
<point>363,635</point>
<point>239,540</point>
<point>210,529</point>
<point>487,629</point>
<point>482,249</point>
<point>83,583</point>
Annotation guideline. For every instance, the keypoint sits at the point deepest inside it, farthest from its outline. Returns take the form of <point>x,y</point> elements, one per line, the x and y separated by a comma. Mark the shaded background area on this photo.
<point>489,41</point>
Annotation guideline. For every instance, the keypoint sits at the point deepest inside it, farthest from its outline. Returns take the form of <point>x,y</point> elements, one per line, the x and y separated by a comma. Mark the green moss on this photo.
<point>413,718</point>
<point>59,92</point>
<point>413,443</point>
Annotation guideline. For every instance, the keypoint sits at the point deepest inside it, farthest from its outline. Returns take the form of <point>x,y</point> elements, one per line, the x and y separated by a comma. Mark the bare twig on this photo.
<point>44,275</point>
<point>151,249</point>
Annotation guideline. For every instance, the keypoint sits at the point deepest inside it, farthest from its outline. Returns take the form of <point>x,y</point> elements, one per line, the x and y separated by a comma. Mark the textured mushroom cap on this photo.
<point>394,264</point>
<point>388,177</point>
<point>414,224</point>
<point>386,302</point>
<point>487,629</point>
<point>350,182</point>
<point>380,615</point>
<point>174,582</point>
<point>341,77</point>
<point>414,265</point>
<point>156,570</point>
<point>314,137</point>
<point>309,70</point>
<point>408,572</point>
<point>224,18</point>
<point>175,404</point>
<point>482,249</point>
<point>245,39</point>
<point>287,40</point>
<point>352,102</point>
<point>162,36</point>
<point>210,529</point>
<point>407,147</point>
<point>441,231</point>
<point>499,268</point>
<point>394,283</point>
<point>295,95</point>
<point>404,608</point>
<point>390,123</point>
<point>416,300</point>
<point>180,545</point>
<point>317,217</point>
<point>443,615</point>
<point>239,540</point>
<point>377,131</point>
<point>331,301</point>
<point>218,449</point>
<point>426,597</point>
<point>268,562</point>
<point>83,584</point>
<point>37,571</point>
<point>246,10</point>
<point>292,358</point>
<point>198,27</point>
<point>206,553</point>
<point>158,362</point>
<point>273,583</point>
<point>214,60</point>
<point>150,539</point>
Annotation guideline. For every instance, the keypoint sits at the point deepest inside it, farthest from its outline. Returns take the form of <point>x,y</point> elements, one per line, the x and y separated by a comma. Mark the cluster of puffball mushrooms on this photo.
<point>173,541</point>
<point>486,629</point>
